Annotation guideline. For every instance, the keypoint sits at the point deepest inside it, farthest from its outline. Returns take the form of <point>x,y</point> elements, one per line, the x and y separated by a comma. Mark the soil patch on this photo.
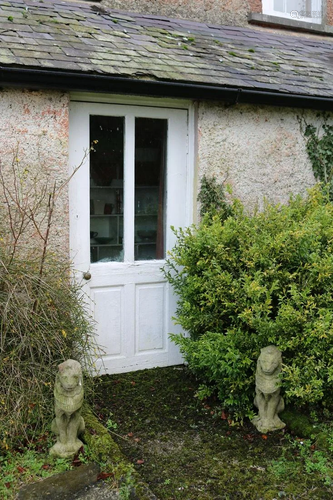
<point>186,449</point>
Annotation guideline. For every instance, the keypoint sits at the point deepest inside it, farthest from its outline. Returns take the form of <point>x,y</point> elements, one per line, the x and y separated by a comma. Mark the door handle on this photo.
<point>87,275</point>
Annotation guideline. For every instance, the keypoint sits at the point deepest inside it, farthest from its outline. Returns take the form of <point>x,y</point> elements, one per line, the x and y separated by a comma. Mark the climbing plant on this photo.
<point>212,198</point>
<point>319,146</point>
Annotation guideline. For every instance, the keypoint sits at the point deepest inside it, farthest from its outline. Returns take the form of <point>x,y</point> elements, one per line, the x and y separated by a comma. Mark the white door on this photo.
<point>131,188</point>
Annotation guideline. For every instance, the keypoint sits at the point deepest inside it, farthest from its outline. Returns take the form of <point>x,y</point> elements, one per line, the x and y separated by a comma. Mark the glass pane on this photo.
<point>106,188</point>
<point>150,166</point>
<point>279,5</point>
<point>298,6</point>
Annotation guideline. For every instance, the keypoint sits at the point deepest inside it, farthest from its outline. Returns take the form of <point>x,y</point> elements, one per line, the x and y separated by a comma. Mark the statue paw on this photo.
<point>67,450</point>
<point>265,425</point>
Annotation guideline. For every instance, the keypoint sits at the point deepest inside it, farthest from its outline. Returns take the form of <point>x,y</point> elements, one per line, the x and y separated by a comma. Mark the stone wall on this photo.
<point>222,12</point>
<point>34,136</point>
<point>259,151</point>
<point>230,12</point>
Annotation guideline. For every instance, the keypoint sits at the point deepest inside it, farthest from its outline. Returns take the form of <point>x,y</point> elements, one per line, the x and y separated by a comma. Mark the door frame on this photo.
<point>191,171</point>
<point>192,127</point>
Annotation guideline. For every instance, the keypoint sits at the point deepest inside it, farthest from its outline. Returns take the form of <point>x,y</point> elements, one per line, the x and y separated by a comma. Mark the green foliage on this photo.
<point>305,460</point>
<point>320,150</point>
<point>26,466</point>
<point>212,198</point>
<point>127,486</point>
<point>252,281</point>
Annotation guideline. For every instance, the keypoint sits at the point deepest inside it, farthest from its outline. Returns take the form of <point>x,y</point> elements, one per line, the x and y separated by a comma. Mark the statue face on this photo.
<point>70,375</point>
<point>269,362</point>
<point>69,380</point>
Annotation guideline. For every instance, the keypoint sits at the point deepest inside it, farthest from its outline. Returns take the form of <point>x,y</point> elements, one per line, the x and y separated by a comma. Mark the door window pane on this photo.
<point>150,185</point>
<point>106,188</point>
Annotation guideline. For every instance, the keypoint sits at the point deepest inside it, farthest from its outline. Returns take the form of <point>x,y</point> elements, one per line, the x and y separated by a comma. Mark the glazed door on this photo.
<point>131,188</point>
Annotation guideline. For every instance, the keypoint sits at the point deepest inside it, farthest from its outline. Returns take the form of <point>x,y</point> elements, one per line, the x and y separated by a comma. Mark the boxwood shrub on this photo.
<point>253,280</point>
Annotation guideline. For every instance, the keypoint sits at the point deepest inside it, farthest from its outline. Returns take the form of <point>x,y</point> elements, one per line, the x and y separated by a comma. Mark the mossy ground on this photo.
<point>186,449</point>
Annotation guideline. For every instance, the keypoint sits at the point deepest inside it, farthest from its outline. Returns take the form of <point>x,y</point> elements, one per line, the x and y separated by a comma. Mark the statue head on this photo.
<point>70,374</point>
<point>270,359</point>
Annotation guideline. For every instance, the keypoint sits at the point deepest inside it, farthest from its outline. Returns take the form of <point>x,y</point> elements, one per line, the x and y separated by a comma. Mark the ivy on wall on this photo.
<point>319,145</point>
<point>212,198</point>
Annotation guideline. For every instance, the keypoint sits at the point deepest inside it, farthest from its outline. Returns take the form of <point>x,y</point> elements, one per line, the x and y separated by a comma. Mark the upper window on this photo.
<point>297,10</point>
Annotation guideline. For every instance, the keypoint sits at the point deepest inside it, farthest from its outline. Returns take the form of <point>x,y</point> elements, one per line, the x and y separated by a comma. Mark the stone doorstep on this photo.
<point>61,486</point>
<point>81,482</point>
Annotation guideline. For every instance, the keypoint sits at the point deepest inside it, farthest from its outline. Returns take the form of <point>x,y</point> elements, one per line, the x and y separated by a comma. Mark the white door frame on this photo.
<point>78,240</point>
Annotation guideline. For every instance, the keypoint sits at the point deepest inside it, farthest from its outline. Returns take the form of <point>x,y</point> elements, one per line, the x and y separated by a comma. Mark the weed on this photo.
<point>126,486</point>
<point>110,424</point>
<point>20,467</point>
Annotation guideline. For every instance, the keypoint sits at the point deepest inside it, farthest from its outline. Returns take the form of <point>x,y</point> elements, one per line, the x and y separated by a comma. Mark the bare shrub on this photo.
<point>43,315</point>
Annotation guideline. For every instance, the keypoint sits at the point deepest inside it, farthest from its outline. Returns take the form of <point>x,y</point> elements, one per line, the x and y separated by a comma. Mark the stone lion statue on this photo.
<point>268,399</point>
<point>68,396</point>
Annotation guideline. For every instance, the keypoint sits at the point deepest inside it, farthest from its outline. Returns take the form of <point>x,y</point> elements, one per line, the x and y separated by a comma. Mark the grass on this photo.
<point>28,464</point>
<point>187,449</point>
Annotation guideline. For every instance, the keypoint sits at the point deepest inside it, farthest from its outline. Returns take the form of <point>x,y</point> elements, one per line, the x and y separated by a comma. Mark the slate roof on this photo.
<point>86,38</point>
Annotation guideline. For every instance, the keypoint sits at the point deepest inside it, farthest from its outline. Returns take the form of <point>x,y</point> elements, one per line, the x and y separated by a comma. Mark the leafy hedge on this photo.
<point>251,281</point>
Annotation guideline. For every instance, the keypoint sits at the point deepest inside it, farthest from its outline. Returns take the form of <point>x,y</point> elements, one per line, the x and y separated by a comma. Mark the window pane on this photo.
<point>279,5</point>
<point>150,166</point>
<point>106,188</point>
<point>298,5</point>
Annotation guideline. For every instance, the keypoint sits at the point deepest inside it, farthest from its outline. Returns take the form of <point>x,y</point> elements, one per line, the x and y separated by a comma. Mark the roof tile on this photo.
<point>74,36</point>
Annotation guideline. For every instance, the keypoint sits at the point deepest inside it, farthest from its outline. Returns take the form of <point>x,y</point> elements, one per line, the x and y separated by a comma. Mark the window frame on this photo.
<point>316,6</point>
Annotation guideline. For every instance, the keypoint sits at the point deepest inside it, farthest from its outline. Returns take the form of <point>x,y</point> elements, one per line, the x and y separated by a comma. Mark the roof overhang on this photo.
<point>72,81</point>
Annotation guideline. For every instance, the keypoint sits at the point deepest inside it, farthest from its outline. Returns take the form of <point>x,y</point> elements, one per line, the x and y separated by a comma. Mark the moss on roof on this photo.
<point>73,36</point>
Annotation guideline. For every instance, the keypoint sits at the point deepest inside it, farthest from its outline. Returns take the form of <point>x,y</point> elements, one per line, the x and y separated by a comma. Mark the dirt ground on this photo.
<point>188,449</point>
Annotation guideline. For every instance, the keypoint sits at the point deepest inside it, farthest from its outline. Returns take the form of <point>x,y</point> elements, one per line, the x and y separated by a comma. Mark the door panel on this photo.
<point>123,200</point>
<point>108,310</point>
<point>150,317</point>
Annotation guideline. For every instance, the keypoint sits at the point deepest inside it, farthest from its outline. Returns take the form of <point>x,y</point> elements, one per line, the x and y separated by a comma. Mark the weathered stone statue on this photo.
<point>268,399</point>
<point>68,423</point>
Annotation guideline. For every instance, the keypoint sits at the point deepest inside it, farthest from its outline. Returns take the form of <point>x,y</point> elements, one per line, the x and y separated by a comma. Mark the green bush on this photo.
<point>251,281</point>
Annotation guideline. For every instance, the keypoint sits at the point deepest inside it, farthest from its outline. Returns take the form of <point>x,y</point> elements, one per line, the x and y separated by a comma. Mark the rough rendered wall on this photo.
<point>34,129</point>
<point>259,151</point>
<point>230,12</point>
